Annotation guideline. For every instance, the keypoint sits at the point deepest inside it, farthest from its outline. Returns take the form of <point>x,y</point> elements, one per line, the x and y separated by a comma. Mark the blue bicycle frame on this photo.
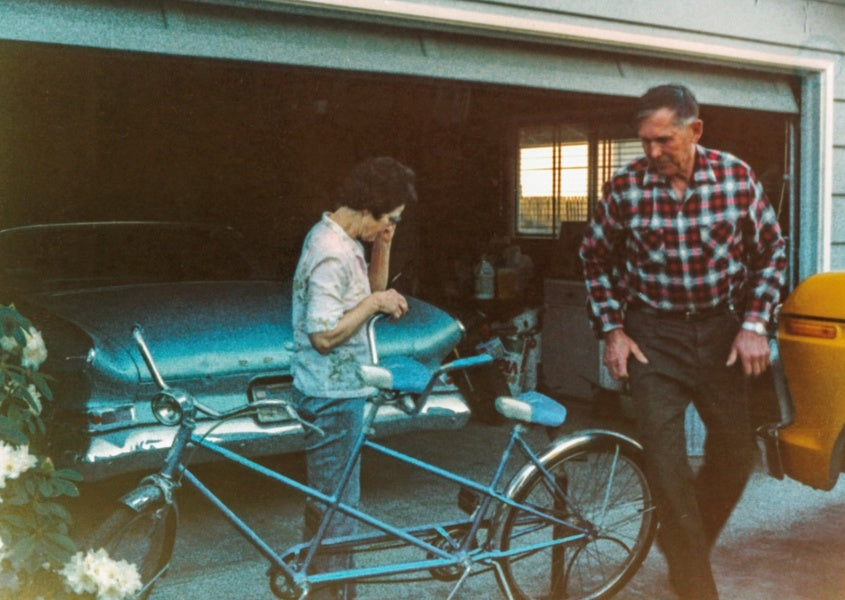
<point>440,558</point>
<point>451,549</point>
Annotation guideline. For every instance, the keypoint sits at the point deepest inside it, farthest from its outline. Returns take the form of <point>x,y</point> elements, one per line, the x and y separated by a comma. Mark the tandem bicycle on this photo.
<point>575,519</point>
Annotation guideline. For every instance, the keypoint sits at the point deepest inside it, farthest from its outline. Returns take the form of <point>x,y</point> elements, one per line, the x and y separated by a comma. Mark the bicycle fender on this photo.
<point>556,448</point>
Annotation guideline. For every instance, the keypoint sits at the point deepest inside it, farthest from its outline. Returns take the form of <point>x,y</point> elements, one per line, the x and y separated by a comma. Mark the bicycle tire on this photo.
<point>607,488</point>
<point>144,538</point>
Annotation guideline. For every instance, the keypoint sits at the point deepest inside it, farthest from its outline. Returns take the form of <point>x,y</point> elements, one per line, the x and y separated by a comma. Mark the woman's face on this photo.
<point>385,226</point>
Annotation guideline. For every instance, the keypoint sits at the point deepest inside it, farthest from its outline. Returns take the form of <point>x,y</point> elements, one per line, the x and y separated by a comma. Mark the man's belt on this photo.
<point>682,315</point>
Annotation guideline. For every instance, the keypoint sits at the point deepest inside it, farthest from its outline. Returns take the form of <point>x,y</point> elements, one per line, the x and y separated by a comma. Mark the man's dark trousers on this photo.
<point>686,363</point>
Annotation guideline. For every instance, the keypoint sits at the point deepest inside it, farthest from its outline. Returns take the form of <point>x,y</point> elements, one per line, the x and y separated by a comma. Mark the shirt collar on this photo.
<point>702,171</point>
<point>328,222</point>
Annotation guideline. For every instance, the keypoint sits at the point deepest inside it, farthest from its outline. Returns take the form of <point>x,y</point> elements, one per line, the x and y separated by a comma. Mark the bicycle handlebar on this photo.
<point>371,336</point>
<point>138,334</point>
<point>420,399</point>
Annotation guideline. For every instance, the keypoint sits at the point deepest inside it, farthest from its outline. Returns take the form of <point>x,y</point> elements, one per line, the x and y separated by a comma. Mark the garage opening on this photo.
<point>93,135</point>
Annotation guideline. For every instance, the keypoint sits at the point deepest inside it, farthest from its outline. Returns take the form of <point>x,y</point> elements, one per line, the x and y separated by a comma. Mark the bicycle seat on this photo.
<point>400,373</point>
<point>532,407</point>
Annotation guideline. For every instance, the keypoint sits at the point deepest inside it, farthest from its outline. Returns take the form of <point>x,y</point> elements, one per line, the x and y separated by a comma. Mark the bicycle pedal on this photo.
<point>468,500</point>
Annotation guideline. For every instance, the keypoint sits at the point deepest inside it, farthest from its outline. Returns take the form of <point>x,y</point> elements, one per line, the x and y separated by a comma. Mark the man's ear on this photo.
<point>697,129</point>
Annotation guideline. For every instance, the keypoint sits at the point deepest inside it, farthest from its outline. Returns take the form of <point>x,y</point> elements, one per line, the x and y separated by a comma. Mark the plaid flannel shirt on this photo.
<point>721,244</point>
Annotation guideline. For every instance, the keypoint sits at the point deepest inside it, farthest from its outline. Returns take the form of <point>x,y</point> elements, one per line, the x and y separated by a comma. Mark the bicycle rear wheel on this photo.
<point>143,538</point>
<point>606,493</point>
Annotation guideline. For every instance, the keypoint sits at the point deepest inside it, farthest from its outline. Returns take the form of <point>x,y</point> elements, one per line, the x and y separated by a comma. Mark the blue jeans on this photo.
<point>341,420</point>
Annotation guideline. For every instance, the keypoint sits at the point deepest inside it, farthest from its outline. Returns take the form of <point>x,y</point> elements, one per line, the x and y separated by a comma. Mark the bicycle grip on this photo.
<point>470,361</point>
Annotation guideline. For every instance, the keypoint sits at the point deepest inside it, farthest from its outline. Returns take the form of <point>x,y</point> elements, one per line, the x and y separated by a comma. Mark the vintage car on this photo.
<point>807,442</point>
<point>212,326</point>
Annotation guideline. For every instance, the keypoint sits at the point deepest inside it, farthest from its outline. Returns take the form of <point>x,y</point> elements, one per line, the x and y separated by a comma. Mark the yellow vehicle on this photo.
<point>808,444</point>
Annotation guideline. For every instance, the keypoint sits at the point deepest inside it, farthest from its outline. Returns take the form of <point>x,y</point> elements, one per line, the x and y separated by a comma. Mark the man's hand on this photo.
<point>752,349</point>
<point>618,347</point>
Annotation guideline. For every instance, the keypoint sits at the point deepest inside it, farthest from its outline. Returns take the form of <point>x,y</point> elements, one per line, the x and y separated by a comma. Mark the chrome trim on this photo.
<point>144,448</point>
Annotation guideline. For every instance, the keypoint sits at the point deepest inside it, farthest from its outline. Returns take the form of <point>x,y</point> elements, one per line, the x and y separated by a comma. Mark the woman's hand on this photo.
<point>391,302</point>
<point>385,237</point>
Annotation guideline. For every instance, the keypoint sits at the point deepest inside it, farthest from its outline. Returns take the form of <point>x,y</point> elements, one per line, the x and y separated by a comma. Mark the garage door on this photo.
<point>210,30</point>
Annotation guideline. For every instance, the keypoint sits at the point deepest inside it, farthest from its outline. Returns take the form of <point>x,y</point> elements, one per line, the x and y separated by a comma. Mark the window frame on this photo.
<point>596,133</point>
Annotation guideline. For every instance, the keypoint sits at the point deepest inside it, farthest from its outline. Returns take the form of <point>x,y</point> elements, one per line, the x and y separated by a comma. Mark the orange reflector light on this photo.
<point>810,329</point>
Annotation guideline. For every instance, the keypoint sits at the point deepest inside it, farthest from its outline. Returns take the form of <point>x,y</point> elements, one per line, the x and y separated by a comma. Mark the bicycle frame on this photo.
<point>452,550</point>
<point>486,554</point>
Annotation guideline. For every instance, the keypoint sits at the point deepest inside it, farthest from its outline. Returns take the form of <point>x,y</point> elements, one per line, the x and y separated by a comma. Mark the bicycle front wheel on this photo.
<point>144,539</point>
<point>599,487</point>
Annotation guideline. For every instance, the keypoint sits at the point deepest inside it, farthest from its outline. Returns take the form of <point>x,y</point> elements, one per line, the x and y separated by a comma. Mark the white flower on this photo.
<point>76,577</point>
<point>14,461</point>
<point>35,352</point>
<point>8,343</point>
<point>98,574</point>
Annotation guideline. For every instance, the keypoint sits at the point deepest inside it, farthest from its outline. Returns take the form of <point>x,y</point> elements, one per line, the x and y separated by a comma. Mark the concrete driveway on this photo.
<point>784,541</point>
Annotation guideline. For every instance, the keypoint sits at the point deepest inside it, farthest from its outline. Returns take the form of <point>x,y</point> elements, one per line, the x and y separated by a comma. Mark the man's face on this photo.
<point>670,148</point>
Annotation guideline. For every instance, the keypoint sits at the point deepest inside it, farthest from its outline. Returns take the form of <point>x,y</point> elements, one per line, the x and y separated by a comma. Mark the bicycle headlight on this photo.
<point>166,409</point>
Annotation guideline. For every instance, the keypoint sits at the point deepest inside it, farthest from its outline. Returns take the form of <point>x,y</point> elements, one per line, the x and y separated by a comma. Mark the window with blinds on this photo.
<point>560,171</point>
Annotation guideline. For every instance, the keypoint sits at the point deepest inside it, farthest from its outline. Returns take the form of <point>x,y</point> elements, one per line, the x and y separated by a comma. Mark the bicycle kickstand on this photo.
<point>466,573</point>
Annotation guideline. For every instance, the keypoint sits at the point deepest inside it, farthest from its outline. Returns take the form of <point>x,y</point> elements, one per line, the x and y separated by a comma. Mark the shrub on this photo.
<point>38,558</point>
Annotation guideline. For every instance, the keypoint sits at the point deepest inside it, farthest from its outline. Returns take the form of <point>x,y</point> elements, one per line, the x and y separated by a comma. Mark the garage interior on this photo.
<point>93,135</point>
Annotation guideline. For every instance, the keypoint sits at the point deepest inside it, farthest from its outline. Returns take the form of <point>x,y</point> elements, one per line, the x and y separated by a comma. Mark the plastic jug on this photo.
<point>485,280</point>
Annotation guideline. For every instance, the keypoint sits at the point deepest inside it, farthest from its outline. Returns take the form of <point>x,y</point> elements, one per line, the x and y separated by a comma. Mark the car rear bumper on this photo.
<point>141,449</point>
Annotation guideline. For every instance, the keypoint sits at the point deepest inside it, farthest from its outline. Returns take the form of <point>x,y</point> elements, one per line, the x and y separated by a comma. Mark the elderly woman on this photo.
<point>335,292</point>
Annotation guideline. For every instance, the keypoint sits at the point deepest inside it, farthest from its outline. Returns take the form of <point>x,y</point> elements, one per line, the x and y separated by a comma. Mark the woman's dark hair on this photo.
<point>673,96</point>
<point>378,185</point>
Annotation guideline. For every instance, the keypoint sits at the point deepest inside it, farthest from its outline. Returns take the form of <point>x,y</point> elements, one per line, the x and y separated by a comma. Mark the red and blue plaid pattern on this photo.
<point>722,244</point>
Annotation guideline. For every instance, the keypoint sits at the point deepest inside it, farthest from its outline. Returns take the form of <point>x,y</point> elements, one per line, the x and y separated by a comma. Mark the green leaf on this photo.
<point>57,555</point>
<point>10,433</point>
<point>62,541</point>
<point>67,488</point>
<point>68,474</point>
<point>20,336</point>
<point>33,403</point>
<point>40,382</point>
<point>16,377</point>
<point>46,488</point>
<point>14,521</point>
<point>59,511</point>
<point>23,549</point>
<point>17,494</point>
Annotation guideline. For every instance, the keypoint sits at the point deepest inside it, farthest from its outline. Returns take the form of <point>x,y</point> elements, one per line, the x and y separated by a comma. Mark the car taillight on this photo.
<point>110,416</point>
<point>808,328</point>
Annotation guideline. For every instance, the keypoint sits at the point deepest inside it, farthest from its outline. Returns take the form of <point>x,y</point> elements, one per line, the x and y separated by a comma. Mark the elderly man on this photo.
<point>683,263</point>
